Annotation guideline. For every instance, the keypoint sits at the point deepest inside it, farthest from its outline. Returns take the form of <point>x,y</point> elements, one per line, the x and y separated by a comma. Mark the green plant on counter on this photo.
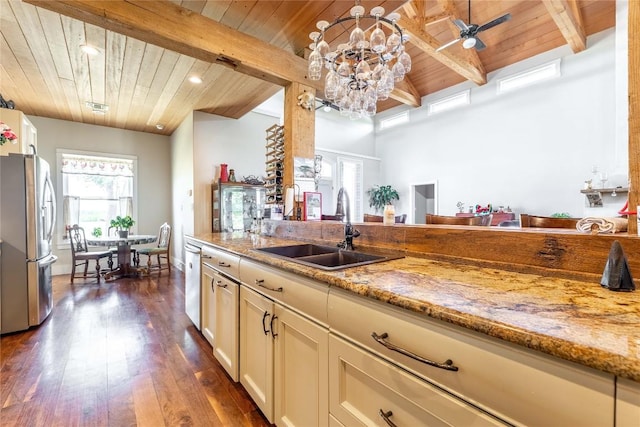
<point>382,195</point>
<point>97,232</point>
<point>561,215</point>
<point>122,223</point>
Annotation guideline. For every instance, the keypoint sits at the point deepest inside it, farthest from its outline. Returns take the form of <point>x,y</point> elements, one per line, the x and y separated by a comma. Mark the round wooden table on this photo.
<point>125,269</point>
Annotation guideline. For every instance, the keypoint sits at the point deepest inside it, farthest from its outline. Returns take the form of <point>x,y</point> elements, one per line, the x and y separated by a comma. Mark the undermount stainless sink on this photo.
<point>297,251</point>
<point>326,257</point>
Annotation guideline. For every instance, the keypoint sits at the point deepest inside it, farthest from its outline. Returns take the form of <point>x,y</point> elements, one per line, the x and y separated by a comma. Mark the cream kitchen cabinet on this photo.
<point>256,349</point>
<point>519,386</point>
<point>284,345</point>
<point>367,390</point>
<point>301,387</point>
<point>627,403</point>
<point>220,307</point>
<point>23,128</point>
<point>208,298</point>
<point>225,346</point>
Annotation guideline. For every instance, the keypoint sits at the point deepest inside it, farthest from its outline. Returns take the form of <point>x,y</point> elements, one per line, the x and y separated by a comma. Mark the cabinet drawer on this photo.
<point>220,260</point>
<point>627,403</point>
<point>365,388</point>
<point>298,293</point>
<point>512,382</point>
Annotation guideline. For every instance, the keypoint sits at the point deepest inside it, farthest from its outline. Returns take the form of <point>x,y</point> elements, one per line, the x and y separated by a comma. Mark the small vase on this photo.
<point>123,234</point>
<point>389,215</point>
<point>224,175</point>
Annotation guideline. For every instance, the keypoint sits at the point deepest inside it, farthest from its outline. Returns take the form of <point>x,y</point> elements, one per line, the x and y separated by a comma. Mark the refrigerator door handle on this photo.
<point>52,214</point>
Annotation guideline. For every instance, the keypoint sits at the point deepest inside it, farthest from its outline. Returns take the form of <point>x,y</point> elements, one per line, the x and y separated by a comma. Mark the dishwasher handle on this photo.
<point>191,248</point>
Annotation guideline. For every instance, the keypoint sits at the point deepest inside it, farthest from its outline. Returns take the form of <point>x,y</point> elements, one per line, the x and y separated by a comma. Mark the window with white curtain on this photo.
<point>95,189</point>
<point>350,178</point>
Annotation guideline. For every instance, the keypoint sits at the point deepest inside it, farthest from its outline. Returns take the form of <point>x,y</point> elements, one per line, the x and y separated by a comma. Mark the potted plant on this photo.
<point>97,232</point>
<point>122,224</point>
<point>381,196</point>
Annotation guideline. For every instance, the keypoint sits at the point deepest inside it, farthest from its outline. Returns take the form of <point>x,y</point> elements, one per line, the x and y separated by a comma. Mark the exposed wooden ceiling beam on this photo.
<point>566,15</point>
<point>422,40</point>
<point>405,92</point>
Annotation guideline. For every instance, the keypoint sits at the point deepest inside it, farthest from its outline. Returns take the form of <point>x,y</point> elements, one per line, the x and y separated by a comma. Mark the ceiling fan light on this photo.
<point>469,43</point>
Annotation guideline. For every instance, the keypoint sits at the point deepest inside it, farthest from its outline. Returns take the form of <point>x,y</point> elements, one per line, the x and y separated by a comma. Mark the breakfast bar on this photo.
<point>571,319</point>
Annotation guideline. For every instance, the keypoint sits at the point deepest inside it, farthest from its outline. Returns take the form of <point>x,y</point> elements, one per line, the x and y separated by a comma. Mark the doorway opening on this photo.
<point>424,200</point>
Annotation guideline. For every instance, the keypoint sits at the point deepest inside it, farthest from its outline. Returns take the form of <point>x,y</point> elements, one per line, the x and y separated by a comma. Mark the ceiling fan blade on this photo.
<point>460,24</point>
<point>446,45</point>
<point>493,23</point>
<point>479,44</point>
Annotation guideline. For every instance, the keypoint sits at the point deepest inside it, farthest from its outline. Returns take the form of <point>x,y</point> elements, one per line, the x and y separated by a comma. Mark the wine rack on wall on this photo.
<point>274,164</point>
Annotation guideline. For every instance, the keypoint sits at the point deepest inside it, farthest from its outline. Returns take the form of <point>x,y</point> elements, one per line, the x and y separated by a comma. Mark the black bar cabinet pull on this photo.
<point>385,416</point>
<point>260,282</point>
<point>381,339</point>
<point>274,317</point>
<point>264,325</point>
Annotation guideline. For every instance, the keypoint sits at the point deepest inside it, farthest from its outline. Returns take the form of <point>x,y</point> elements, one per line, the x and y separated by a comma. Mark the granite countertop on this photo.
<point>574,320</point>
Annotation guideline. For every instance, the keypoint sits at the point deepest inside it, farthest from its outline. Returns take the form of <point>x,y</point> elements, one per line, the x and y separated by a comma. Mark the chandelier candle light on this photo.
<point>364,70</point>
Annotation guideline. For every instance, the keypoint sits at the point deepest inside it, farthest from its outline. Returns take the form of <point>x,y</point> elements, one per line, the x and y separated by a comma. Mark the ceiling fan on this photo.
<point>469,33</point>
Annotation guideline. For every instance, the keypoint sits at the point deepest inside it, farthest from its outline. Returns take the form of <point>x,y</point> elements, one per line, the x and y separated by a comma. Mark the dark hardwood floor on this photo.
<point>120,353</point>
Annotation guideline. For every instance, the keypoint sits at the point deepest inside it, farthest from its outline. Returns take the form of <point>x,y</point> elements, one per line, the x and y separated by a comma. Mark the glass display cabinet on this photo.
<point>235,205</point>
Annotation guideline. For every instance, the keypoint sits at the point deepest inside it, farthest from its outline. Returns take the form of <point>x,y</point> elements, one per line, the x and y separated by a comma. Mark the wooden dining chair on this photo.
<point>373,218</point>
<point>160,252</point>
<point>81,255</point>
<point>399,219</point>
<point>547,221</point>
<point>481,220</point>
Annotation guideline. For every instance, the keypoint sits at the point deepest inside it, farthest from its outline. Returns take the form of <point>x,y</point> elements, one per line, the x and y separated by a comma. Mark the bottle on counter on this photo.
<point>232,175</point>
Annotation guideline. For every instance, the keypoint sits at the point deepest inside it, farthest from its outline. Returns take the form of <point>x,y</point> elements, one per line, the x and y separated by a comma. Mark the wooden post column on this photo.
<point>634,113</point>
<point>299,128</point>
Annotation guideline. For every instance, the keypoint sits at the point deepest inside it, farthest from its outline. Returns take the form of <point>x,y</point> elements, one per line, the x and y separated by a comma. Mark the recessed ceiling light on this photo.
<point>89,50</point>
<point>159,126</point>
<point>195,79</point>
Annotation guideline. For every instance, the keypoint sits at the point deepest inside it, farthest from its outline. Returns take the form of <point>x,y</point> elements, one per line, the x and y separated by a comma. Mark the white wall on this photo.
<point>337,136</point>
<point>335,132</point>
<point>237,142</point>
<point>530,149</point>
<point>182,187</point>
<point>154,178</point>
<point>200,144</point>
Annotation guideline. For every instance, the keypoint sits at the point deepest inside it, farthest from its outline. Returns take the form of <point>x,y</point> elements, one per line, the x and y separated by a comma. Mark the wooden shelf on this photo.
<point>606,190</point>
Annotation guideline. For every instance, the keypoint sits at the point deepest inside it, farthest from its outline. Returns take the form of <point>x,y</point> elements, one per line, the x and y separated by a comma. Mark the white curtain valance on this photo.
<point>89,165</point>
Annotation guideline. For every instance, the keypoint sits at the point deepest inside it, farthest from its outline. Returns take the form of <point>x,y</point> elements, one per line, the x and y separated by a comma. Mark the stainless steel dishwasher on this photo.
<point>192,283</point>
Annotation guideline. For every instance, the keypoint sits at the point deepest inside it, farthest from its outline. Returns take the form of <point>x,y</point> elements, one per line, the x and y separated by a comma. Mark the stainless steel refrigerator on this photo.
<point>27,219</point>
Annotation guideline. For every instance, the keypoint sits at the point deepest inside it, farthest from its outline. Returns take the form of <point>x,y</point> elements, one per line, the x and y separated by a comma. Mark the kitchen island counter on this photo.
<point>575,320</point>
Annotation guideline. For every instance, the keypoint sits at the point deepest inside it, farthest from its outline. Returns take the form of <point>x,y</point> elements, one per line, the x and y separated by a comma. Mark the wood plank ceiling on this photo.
<point>149,49</point>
